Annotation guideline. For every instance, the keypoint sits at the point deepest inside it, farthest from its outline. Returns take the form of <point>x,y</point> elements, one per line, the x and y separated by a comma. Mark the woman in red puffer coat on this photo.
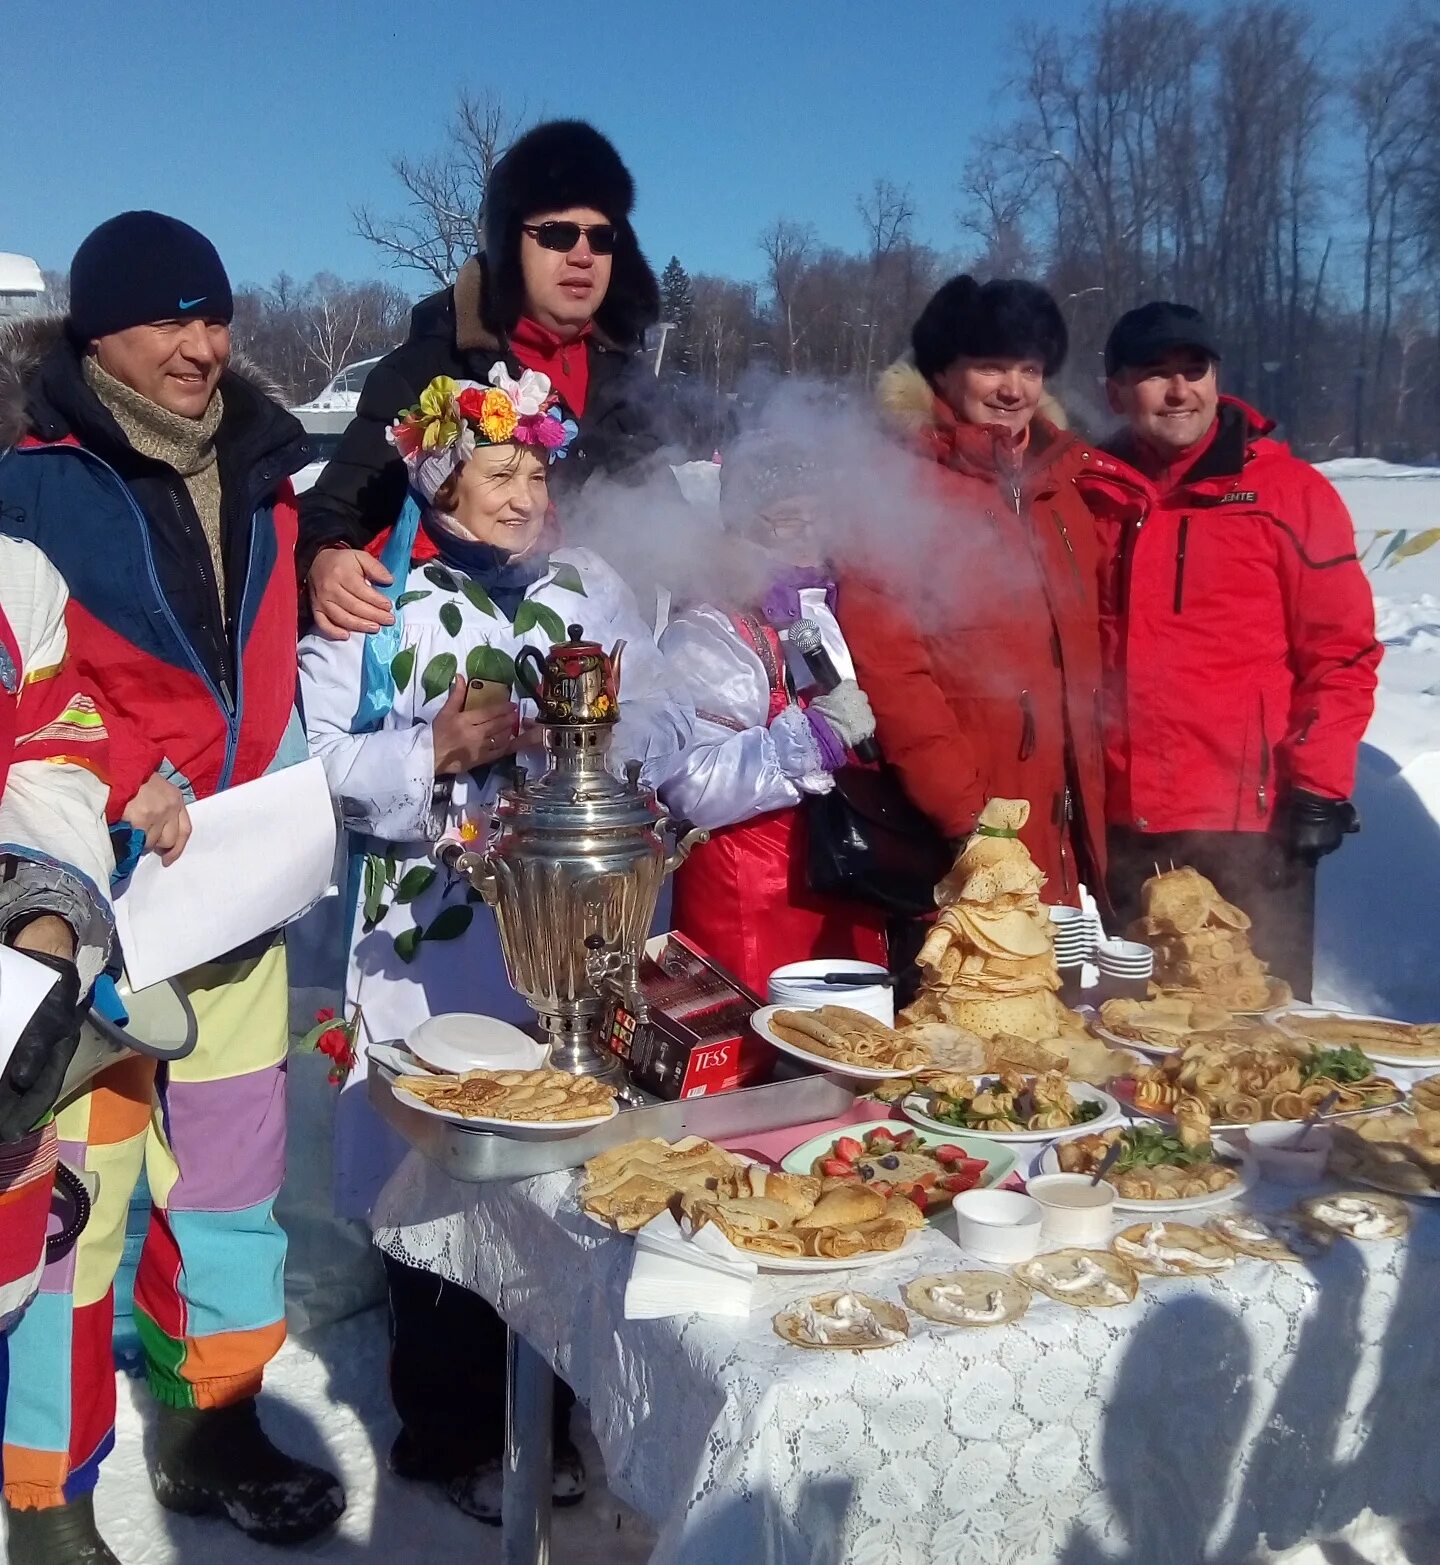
<point>981,656</point>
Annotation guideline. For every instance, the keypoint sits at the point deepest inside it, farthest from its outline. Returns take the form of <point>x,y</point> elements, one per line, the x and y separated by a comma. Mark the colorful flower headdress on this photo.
<point>453,417</point>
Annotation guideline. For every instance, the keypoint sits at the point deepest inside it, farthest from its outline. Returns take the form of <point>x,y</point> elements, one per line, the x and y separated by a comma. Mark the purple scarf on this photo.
<point>781,604</point>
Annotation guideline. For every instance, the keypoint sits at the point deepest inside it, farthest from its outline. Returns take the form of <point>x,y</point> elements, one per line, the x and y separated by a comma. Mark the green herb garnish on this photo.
<point>1148,1146</point>
<point>1339,1065</point>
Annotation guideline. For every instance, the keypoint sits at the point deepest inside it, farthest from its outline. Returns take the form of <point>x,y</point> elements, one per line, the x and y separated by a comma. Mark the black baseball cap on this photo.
<point>1145,335</point>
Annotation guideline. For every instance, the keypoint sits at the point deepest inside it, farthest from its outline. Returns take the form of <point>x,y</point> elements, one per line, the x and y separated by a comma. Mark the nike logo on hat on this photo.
<point>189,304</point>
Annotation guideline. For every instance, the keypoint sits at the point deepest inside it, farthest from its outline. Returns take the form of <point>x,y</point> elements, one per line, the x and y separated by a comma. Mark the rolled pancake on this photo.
<point>845,1207</point>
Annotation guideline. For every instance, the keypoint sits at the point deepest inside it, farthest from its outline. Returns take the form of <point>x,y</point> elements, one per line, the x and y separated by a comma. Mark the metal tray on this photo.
<point>479,1157</point>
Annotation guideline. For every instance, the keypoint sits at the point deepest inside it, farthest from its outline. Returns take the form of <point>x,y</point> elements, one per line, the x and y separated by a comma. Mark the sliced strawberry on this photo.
<point>950,1154</point>
<point>966,1179</point>
<point>880,1137</point>
<point>928,1180</point>
<point>836,1168</point>
<point>849,1148</point>
<point>905,1140</point>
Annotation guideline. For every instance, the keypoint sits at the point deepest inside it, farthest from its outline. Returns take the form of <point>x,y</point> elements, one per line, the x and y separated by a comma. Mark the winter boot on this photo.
<point>476,1486</point>
<point>220,1462</point>
<point>60,1535</point>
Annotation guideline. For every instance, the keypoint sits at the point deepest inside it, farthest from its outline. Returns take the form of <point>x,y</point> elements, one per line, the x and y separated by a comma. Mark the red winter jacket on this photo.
<point>1239,634</point>
<point>982,658</point>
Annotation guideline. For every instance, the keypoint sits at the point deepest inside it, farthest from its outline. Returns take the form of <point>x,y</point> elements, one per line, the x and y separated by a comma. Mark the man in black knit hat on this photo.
<point>154,471</point>
<point>560,287</point>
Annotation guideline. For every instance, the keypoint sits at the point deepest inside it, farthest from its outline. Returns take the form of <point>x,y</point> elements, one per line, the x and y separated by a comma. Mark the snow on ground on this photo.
<point>1376,938</point>
<point>325,1396</point>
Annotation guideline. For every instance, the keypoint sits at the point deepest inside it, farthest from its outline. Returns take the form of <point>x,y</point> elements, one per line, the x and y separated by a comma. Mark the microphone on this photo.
<point>805,638</point>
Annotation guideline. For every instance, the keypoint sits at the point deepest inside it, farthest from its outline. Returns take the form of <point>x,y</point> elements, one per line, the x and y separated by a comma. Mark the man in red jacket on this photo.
<point>1239,640</point>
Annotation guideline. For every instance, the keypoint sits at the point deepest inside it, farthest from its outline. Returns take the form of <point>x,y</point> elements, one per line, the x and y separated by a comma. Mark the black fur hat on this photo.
<point>1008,317</point>
<point>560,164</point>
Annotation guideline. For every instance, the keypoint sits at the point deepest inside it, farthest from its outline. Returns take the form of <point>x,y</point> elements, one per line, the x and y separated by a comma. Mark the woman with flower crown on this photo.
<point>478,575</point>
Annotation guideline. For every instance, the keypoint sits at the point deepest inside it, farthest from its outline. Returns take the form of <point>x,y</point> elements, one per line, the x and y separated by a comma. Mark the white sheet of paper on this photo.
<point>23,985</point>
<point>258,856</point>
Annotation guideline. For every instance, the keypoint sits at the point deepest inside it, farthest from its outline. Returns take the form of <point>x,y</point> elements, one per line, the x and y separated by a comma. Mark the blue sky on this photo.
<point>264,121</point>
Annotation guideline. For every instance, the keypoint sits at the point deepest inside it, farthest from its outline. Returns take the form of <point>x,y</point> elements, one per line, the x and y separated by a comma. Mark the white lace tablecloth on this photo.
<point>1210,1416</point>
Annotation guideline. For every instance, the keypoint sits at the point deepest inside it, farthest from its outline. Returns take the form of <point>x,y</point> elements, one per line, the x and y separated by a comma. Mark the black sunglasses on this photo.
<point>565,236</point>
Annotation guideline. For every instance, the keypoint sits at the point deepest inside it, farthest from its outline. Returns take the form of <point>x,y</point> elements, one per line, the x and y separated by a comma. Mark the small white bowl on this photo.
<point>1124,953</point>
<point>1072,1209</point>
<point>997,1225</point>
<point>797,986</point>
<point>1274,1145</point>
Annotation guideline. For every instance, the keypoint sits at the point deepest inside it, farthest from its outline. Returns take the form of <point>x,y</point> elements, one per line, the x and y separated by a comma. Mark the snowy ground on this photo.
<point>325,1396</point>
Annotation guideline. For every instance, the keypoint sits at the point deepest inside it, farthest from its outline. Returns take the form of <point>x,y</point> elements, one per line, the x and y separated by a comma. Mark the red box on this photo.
<point>698,1040</point>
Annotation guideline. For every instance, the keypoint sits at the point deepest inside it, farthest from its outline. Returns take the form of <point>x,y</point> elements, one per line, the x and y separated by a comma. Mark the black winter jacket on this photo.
<point>627,418</point>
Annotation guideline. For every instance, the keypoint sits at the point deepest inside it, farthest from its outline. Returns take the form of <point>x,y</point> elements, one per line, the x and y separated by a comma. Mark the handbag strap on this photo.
<point>764,641</point>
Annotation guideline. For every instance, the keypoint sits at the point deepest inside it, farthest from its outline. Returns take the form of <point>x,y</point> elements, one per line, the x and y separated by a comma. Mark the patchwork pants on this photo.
<point>27,1176</point>
<point>209,1131</point>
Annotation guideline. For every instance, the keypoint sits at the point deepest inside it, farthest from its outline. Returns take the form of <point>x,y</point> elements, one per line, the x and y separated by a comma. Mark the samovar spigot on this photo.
<point>615,973</point>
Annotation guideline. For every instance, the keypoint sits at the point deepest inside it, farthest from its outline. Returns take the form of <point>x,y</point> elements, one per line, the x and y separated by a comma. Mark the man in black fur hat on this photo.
<point>561,287</point>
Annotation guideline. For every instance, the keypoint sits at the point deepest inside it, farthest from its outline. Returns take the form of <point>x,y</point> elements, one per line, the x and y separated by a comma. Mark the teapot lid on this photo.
<point>577,641</point>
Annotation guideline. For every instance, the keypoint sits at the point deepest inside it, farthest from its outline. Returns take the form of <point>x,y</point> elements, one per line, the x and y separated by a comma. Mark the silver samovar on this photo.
<point>575,858</point>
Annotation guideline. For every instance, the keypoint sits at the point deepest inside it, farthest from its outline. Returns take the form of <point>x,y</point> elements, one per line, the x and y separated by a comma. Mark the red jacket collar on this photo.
<point>1236,443</point>
<point>987,451</point>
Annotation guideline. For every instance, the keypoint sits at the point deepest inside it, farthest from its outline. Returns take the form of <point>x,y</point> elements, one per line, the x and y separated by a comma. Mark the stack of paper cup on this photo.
<point>799,986</point>
<point>1076,935</point>
<point>1128,961</point>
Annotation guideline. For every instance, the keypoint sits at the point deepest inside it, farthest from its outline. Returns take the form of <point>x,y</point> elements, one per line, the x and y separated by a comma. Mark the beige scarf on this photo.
<point>186,444</point>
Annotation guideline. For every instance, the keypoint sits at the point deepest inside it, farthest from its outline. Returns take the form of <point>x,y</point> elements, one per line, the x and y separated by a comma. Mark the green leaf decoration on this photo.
<point>451,923</point>
<point>568,577</point>
<point>402,665</point>
<point>450,617</point>
<point>440,577</point>
<point>411,597</point>
<point>414,882</point>
<point>407,943</point>
<point>373,886</point>
<point>480,598</point>
<point>369,924</point>
<point>491,663</point>
<point>1397,542</point>
<point>439,674</point>
<point>530,614</point>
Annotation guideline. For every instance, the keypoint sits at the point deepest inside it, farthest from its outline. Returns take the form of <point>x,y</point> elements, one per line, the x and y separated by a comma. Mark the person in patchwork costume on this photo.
<point>154,474</point>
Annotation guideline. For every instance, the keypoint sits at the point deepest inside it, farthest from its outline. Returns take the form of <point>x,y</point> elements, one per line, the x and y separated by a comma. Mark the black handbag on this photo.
<point>867,841</point>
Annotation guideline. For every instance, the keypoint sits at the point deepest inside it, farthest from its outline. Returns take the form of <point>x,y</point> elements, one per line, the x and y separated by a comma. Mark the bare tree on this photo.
<point>887,213</point>
<point>787,246</point>
<point>438,229</point>
<point>725,323</point>
<point>1386,93</point>
<point>302,335</point>
<point>999,196</point>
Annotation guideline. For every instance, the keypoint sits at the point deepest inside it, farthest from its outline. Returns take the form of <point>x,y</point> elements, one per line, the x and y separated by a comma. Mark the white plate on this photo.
<point>1298,1014</point>
<point>516,1129</point>
<point>913,1108</point>
<point>760,1021</point>
<point>1049,1163</point>
<point>1133,1045</point>
<point>461,1041</point>
<point>830,1263</point>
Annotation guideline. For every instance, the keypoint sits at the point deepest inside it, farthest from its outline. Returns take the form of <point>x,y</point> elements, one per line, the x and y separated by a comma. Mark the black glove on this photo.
<point>1316,826</point>
<point>36,1069</point>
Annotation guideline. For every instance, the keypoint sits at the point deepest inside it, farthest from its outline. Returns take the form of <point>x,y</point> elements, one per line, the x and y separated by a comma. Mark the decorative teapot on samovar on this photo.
<point>575,858</point>
<point>577,681</point>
